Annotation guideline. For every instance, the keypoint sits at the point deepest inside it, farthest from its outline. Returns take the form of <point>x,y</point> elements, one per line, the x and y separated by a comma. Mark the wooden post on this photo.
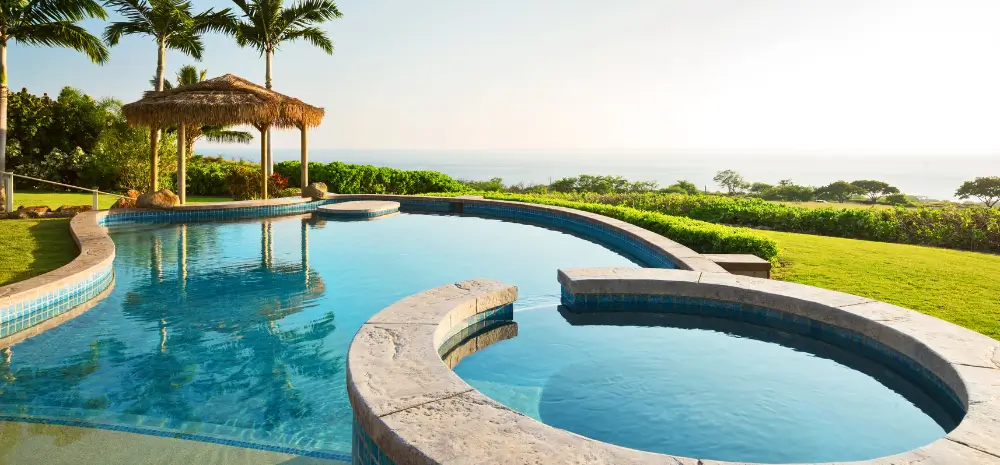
<point>263,160</point>
<point>305,156</point>
<point>181,165</point>
<point>154,164</point>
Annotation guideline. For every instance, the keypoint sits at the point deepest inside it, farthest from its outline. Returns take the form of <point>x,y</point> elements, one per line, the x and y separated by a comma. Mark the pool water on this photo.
<point>229,330</point>
<point>703,387</point>
<point>239,331</point>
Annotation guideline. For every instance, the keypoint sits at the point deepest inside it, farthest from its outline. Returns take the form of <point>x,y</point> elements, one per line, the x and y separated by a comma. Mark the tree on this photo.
<point>987,190</point>
<point>874,190</point>
<point>266,24</point>
<point>760,187</point>
<point>171,24</point>
<point>732,181</point>
<point>44,23</point>
<point>686,187</point>
<point>189,74</point>
<point>840,191</point>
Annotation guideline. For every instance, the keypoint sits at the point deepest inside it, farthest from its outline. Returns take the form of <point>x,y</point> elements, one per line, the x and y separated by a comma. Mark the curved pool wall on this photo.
<point>410,408</point>
<point>961,362</point>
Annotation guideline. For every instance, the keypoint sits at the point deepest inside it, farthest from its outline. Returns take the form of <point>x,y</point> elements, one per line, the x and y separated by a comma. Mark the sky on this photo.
<point>782,76</point>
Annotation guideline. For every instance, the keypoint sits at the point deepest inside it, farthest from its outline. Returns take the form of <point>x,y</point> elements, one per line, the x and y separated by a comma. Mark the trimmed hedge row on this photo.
<point>343,178</point>
<point>973,228</point>
<point>698,235</point>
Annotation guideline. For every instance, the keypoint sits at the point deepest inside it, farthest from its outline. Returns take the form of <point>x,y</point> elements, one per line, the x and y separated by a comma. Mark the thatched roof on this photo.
<point>225,100</point>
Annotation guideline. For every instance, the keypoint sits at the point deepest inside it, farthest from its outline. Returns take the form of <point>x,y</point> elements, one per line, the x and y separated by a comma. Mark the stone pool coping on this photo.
<point>414,410</point>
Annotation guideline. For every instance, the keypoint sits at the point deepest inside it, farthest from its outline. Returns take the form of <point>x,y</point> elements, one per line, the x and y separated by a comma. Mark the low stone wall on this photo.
<point>410,408</point>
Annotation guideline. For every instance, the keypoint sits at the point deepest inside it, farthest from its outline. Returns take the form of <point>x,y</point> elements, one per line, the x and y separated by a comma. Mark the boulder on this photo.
<point>124,202</point>
<point>132,194</point>
<point>61,214</point>
<point>315,191</point>
<point>38,209</point>
<point>17,215</point>
<point>162,198</point>
<point>74,208</point>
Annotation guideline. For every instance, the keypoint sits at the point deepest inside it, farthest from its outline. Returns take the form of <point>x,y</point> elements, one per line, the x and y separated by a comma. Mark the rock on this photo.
<point>74,208</point>
<point>162,198</point>
<point>37,209</point>
<point>132,194</point>
<point>17,215</point>
<point>124,202</point>
<point>316,191</point>
<point>60,214</point>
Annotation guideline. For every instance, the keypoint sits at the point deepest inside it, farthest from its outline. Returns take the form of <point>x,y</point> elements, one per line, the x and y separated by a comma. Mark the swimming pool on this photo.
<point>238,332</point>
<point>235,331</point>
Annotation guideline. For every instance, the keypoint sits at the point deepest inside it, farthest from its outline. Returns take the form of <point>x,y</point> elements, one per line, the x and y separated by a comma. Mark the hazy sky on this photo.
<point>870,76</point>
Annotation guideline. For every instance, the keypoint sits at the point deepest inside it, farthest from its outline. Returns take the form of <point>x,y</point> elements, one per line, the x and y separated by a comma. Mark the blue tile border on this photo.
<point>25,314</point>
<point>762,316</point>
<point>364,451</point>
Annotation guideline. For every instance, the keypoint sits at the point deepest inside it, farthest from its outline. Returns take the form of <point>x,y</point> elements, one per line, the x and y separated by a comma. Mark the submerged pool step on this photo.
<point>359,209</point>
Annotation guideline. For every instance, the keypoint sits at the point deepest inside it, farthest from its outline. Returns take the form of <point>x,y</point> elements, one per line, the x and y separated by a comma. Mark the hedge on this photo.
<point>972,228</point>
<point>700,236</point>
<point>343,178</point>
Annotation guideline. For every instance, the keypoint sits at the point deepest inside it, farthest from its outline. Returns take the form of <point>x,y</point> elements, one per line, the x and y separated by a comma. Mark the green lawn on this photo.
<point>32,247</point>
<point>57,199</point>
<point>960,287</point>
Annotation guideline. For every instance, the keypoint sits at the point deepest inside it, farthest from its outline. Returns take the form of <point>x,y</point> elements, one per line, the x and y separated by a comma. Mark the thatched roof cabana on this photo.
<point>227,101</point>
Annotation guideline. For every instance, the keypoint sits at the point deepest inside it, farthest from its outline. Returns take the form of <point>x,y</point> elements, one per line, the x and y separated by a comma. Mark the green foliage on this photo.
<point>786,190</point>
<point>974,228</point>
<point>986,189</point>
<point>874,190</point>
<point>288,192</point>
<point>687,187</point>
<point>342,178</point>
<point>898,200</point>
<point>208,176</point>
<point>493,185</point>
<point>701,236</point>
<point>840,191</point>
<point>601,184</point>
<point>170,22</point>
<point>732,181</point>
<point>244,181</point>
<point>52,24</point>
<point>265,24</point>
<point>120,158</point>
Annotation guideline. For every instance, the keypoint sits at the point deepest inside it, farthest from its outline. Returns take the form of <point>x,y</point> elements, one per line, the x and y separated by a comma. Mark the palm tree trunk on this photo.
<point>3,113</point>
<point>154,134</point>
<point>269,162</point>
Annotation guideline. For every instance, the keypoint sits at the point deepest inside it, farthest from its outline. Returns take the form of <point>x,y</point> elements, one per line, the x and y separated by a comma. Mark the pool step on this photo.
<point>359,209</point>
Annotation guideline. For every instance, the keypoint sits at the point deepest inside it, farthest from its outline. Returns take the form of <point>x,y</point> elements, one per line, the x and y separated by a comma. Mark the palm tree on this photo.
<point>266,24</point>
<point>172,25</point>
<point>189,74</point>
<point>44,23</point>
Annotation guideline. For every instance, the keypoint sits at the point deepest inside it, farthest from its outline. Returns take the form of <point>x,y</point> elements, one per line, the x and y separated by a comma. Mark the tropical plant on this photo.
<point>343,178</point>
<point>986,189</point>
<point>687,187</point>
<point>874,190</point>
<point>840,191</point>
<point>49,24</point>
<point>732,181</point>
<point>189,74</point>
<point>266,24</point>
<point>172,25</point>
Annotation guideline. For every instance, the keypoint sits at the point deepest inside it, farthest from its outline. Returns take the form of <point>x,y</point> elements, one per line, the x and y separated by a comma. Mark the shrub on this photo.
<point>288,192</point>
<point>342,178</point>
<point>701,236</point>
<point>972,228</point>
<point>244,181</point>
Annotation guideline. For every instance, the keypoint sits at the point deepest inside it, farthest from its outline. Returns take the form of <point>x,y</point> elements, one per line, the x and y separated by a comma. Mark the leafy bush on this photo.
<point>288,192</point>
<point>601,184</point>
<point>244,180</point>
<point>972,228</point>
<point>343,178</point>
<point>208,176</point>
<point>701,236</point>
<point>493,185</point>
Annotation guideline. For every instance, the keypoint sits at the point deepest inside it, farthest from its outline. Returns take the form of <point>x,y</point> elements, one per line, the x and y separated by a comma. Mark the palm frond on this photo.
<point>308,12</point>
<point>43,11</point>
<point>115,31</point>
<point>214,21</point>
<point>313,35</point>
<point>189,74</point>
<point>186,42</point>
<point>62,34</point>
<point>166,83</point>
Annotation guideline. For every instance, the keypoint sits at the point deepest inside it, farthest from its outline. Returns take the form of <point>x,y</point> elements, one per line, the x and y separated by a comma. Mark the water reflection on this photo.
<point>201,335</point>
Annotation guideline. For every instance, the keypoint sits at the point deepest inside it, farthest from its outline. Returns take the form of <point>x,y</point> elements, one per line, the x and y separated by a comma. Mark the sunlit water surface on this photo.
<point>240,331</point>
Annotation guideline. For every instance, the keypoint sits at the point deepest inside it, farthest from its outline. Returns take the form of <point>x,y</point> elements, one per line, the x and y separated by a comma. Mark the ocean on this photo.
<point>934,177</point>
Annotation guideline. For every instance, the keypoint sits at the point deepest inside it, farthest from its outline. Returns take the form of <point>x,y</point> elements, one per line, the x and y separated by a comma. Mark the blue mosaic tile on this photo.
<point>761,316</point>
<point>364,450</point>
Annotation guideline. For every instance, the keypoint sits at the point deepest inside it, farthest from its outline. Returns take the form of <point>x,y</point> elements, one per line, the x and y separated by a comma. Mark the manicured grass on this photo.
<point>57,199</point>
<point>32,247</point>
<point>956,286</point>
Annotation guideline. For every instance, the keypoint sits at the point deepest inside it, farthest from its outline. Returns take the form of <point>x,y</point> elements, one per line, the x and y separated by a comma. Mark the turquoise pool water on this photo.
<point>239,331</point>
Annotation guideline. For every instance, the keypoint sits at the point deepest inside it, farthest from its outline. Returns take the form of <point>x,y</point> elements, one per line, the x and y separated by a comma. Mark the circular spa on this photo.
<point>237,332</point>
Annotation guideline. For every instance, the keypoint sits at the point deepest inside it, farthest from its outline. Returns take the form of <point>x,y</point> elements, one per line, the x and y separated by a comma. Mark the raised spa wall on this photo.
<point>410,408</point>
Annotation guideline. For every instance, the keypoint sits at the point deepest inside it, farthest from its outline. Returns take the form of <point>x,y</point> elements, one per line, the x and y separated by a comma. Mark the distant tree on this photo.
<point>899,200</point>
<point>840,191</point>
<point>874,190</point>
<point>760,187</point>
<point>564,185</point>
<point>687,187</point>
<point>643,186</point>
<point>987,190</point>
<point>732,181</point>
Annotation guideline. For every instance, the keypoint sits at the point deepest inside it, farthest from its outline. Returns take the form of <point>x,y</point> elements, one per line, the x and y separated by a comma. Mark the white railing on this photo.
<point>8,178</point>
